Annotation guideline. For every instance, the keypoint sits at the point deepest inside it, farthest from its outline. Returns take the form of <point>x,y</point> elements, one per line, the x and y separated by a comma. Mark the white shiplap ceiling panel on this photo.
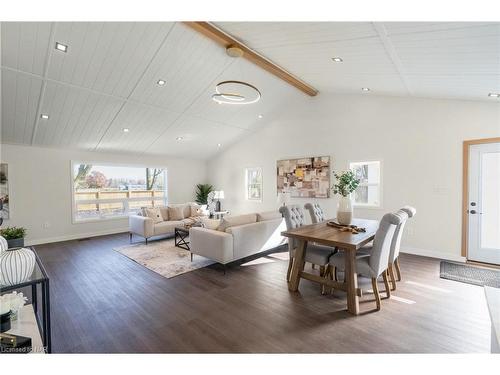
<point>19,103</point>
<point>281,34</point>
<point>25,45</point>
<point>145,124</point>
<point>188,62</point>
<point>78,117</point>
<point>108,57</point>
<point>199,137</point>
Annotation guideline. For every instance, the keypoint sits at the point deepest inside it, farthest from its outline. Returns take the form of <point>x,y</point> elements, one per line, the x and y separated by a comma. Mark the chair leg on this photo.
<point>323,272</point>
<point>392,277</point>
<point>386,283</point>
<point>375,291</point>
<point>335,276</point>
<point>398,270</point>
<point>290,264</point>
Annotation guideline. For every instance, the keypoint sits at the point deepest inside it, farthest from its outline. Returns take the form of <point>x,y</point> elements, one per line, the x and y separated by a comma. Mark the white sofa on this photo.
<point>238,236</point>
<point>146,227</point>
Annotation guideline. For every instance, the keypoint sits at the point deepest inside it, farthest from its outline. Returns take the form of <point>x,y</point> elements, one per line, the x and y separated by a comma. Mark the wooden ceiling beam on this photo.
<point>226,40</point>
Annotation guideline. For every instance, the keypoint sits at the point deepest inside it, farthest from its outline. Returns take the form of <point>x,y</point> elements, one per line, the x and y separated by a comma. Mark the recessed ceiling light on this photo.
<point>260,116</point>
<point>337,59</point>
<point>126,130</point>
<point>219,144</point>
<point>161,82</point>
<point>179,139</point>
<point>45,117</point>
<point>493,95</point>
<point>61,47</point>
<point>365,89</point>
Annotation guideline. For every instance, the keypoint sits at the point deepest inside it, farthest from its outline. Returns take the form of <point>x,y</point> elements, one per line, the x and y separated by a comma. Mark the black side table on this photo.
<point>181,236</point>
<point>39,282</point>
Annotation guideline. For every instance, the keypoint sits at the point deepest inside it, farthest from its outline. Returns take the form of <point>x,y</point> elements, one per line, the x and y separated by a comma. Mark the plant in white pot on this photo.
<point>346,183</point>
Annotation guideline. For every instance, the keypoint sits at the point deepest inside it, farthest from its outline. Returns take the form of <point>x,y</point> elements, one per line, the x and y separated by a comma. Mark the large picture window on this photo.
<point>369,191</point>
<point>103,191</point>
<point>253,182</point>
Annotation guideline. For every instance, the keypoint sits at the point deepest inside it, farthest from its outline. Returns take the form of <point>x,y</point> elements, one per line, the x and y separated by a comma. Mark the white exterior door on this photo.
<point>484,203</point>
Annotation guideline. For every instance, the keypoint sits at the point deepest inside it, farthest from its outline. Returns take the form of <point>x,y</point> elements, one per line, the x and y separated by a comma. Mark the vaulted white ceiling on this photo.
<point>107,80</point>
<point>451,60</point>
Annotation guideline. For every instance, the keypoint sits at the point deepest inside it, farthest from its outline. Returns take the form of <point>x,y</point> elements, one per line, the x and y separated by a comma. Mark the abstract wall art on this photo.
<point>305,177</point>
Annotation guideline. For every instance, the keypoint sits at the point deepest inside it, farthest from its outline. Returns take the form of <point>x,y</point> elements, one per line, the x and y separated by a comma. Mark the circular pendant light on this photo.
<point>236,92</point>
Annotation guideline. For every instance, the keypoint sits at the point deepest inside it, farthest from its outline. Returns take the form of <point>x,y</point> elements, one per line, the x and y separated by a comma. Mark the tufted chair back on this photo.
<point>379,257</point>
<point>398,234</point>
<point>316,212</point>
<point>294,218</point>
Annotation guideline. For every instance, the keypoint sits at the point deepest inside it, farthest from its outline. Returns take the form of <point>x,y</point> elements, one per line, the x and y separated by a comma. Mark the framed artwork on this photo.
<point>305,177</point>
<point>4,191</point>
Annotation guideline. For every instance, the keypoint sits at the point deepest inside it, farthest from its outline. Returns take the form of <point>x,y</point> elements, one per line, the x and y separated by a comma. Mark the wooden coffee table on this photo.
<point>181,239</point>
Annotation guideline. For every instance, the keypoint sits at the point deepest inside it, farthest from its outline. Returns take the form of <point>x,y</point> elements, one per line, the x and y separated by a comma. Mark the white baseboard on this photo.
<point>74,236</point>
<point>433,254</point>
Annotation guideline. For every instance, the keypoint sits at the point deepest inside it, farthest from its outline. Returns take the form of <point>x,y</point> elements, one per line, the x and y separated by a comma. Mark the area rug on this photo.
<point>164,258</point>
<point>470,274</point>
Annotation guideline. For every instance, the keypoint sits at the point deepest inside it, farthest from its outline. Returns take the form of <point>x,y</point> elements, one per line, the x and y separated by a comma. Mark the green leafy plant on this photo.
<point>346,183</point>
<point>202,191</point>
<point>11,233</point>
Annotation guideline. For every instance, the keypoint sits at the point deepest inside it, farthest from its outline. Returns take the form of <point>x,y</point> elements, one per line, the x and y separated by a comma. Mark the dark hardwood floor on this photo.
<point>103,302</point>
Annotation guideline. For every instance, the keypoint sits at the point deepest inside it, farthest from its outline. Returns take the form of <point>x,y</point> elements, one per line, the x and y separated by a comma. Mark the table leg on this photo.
<point>351,277</point>
<point>298,266</point>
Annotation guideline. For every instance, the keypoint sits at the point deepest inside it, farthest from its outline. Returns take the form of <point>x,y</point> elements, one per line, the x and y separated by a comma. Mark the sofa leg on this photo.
<point>146,241</point>
<point>130,234</point>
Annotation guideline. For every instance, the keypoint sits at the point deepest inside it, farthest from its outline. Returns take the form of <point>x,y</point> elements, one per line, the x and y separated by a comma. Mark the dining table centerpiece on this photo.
<point>346,183</point>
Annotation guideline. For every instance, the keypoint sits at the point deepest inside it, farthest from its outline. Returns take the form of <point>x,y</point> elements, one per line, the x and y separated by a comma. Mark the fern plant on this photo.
<point>202,191</point>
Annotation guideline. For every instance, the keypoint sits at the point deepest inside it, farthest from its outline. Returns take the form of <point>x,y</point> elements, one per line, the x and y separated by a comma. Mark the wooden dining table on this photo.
<point>348,242</point>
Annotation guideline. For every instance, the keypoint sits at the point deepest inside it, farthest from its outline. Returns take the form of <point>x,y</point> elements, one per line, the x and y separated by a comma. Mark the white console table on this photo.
<point>493,301</point>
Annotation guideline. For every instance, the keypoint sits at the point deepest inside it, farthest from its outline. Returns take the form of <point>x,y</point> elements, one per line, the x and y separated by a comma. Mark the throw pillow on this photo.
<point>164,212</point>
<point>196,210</point>
<point>210,223</point>
<point>155,214</point>
<point>233,221</point>
<point>176,213</point>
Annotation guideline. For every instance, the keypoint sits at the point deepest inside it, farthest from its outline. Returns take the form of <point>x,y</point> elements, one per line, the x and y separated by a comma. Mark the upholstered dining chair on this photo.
<point>316,212</point>
<point>407,212</point>
<point>375,264</point>
<point>315,254</point>
<point>394,257</point>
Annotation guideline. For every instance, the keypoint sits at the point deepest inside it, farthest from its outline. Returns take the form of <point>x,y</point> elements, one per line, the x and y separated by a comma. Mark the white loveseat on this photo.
<point>149,226</point>
<point>238,236</point>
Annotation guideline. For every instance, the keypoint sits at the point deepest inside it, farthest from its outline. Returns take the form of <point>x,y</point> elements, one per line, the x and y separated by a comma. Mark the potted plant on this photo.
<point>202,191</point>
<point>14,236</point>
<point>346,183</point>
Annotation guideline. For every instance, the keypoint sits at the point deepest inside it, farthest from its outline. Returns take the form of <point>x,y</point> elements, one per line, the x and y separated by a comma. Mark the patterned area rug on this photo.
<point>164,258</point>
<point>470,274</point>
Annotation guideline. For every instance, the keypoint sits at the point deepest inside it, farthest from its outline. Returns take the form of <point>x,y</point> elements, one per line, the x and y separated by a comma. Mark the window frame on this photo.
<point>125,201</point>
<point>379,184</point>
<point>247,185</point>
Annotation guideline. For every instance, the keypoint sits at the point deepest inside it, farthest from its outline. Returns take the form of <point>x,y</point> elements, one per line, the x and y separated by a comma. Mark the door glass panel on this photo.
<point>490,200</point>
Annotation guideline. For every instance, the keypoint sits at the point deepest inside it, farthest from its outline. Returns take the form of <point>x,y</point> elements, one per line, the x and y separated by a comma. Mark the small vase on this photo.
<point>344,210</point>
<point>16,265</point>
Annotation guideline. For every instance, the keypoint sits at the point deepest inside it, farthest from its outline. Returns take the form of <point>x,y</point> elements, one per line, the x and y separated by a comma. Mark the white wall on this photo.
<point>40,192</point>
<point>418,140</point>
